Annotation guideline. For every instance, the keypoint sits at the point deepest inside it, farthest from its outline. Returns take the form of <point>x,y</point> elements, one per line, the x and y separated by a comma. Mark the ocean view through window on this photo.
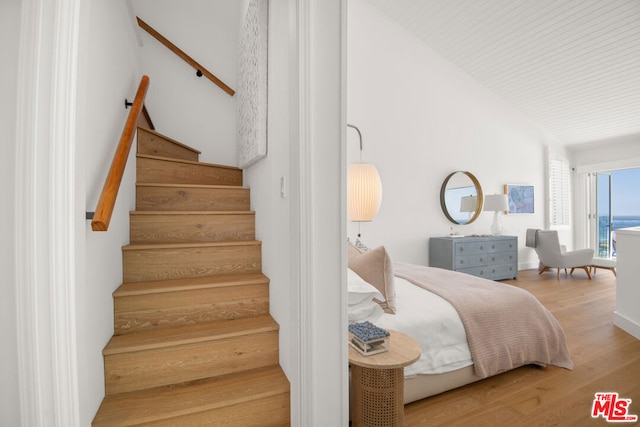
<point>618,206</point>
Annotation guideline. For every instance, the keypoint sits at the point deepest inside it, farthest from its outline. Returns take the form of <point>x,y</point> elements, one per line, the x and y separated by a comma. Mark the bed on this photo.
<point>469,328</point>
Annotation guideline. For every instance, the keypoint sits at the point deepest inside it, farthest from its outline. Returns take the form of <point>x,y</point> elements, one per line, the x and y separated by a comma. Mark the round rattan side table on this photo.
<point>378,382</point>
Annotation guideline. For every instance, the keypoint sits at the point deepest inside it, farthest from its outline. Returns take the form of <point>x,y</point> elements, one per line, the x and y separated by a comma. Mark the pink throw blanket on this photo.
<point>506,326</point>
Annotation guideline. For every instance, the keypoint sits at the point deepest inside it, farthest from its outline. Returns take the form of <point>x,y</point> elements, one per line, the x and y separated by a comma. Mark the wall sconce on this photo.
<point>364,189</point>
<point>497,203</point>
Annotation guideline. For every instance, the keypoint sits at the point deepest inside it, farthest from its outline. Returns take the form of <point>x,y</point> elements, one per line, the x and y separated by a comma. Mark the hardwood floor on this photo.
<point>606,359</point>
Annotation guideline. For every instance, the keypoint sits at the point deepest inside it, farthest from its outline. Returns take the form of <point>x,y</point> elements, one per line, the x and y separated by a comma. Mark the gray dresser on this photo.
<point>491,257</point>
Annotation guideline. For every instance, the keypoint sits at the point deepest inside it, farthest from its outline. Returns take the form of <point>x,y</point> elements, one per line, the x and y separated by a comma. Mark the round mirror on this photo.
<point>461,197</point>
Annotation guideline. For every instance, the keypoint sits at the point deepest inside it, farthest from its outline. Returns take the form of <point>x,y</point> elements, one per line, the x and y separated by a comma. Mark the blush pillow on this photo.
<point>375,267</point>
<point>352,251</point>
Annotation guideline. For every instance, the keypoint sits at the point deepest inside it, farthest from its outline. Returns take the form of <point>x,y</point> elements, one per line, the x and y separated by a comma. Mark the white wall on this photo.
<point>302,231</point>
<point>606,155</point>
<point>273,208</point>
<point>183,106</point>
<point>9,36</point>
<point>421,119</point>
<point>108,73</point>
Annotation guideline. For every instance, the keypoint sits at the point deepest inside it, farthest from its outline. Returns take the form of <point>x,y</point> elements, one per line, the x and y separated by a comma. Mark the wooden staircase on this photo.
<point>193,342</point>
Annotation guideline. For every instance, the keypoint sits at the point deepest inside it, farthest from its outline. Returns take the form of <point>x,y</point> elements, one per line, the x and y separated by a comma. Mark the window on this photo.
<point>559,191</point>
<point>618,206</point>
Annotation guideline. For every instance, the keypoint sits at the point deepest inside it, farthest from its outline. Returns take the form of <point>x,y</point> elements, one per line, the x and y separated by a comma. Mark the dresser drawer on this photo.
<point>502,258</point>
<point>470,248</point>
<point>470,261</point>
<point>501,246</point>
<point>477,271</point>
<point>504,271</point>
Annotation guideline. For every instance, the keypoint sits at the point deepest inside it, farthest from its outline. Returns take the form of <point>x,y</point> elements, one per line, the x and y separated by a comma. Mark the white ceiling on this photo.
<point>572,66</point>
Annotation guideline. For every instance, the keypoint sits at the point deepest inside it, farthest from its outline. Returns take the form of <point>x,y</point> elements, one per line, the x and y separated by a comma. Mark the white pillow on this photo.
<point>366,310</point>
<point>359,290</point>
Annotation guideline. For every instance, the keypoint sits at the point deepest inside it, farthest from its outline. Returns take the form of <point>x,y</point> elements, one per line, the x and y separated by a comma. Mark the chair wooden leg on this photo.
<point>594,269</point>
<point>587,270</point>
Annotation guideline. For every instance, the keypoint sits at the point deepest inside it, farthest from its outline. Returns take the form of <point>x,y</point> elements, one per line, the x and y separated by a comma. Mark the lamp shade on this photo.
<point>468,203</point>
<point>496,202</point>
<point>364,192</point>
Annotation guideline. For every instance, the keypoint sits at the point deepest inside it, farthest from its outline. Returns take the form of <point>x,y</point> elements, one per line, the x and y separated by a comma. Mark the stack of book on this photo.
<point>367,338</point>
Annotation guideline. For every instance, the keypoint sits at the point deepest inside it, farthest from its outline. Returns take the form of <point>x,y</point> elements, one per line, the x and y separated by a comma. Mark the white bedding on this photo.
<point>434,323</point>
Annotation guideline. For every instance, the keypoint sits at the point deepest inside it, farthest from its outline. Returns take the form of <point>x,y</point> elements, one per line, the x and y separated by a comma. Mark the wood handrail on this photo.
<point>175,49</point>
<point>107,200</point>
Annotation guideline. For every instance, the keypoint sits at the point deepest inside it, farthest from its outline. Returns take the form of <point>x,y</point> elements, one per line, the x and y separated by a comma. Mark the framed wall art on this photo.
<point>521,198</point>
<point>252,85</point>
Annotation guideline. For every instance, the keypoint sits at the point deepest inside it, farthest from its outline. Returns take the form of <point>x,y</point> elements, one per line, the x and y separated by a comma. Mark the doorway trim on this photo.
<point>45,214</point>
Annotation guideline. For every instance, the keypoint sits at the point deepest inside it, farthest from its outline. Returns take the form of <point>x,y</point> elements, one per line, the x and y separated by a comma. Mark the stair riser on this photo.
<point>175,263</point>
<point>269,411</point>
<point>157,367</point>
<point>170,172</point>
<point>191,228</point>
<point>155,145</point>
<point>158,198</point>
<point>168,309</point>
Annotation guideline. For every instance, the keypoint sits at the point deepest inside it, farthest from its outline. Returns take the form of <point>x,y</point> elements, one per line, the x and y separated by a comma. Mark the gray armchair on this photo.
<point>552,255</point>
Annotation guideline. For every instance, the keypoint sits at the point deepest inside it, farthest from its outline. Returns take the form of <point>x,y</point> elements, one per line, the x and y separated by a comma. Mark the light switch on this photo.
<point>283,187</point>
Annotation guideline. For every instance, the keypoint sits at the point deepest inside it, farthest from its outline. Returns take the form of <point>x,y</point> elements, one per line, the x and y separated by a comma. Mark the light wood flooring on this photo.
<point>606,359</point>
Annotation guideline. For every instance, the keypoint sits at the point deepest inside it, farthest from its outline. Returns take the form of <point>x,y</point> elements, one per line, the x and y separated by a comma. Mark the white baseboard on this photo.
<point>527,265</point>
<point>630,326</point>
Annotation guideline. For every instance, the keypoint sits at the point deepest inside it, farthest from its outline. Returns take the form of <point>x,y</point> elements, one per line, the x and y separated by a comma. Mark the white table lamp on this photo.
<point>497,203</point>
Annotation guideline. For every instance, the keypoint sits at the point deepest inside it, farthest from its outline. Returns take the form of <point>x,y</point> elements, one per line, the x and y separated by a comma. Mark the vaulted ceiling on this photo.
<point>572,66</point>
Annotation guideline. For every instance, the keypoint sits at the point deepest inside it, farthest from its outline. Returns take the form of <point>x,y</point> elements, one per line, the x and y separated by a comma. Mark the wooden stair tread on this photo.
<point>156,196</point>
<point>175,285</point>
<point>192,213</point>
<point>183,226</point>
<point>159,246</point>
<point>161,403</point>
<point>188,162</point>
<point>189,334</point>
<point>173,141</point>
<point>173,169</point>
<point>161,185</point>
